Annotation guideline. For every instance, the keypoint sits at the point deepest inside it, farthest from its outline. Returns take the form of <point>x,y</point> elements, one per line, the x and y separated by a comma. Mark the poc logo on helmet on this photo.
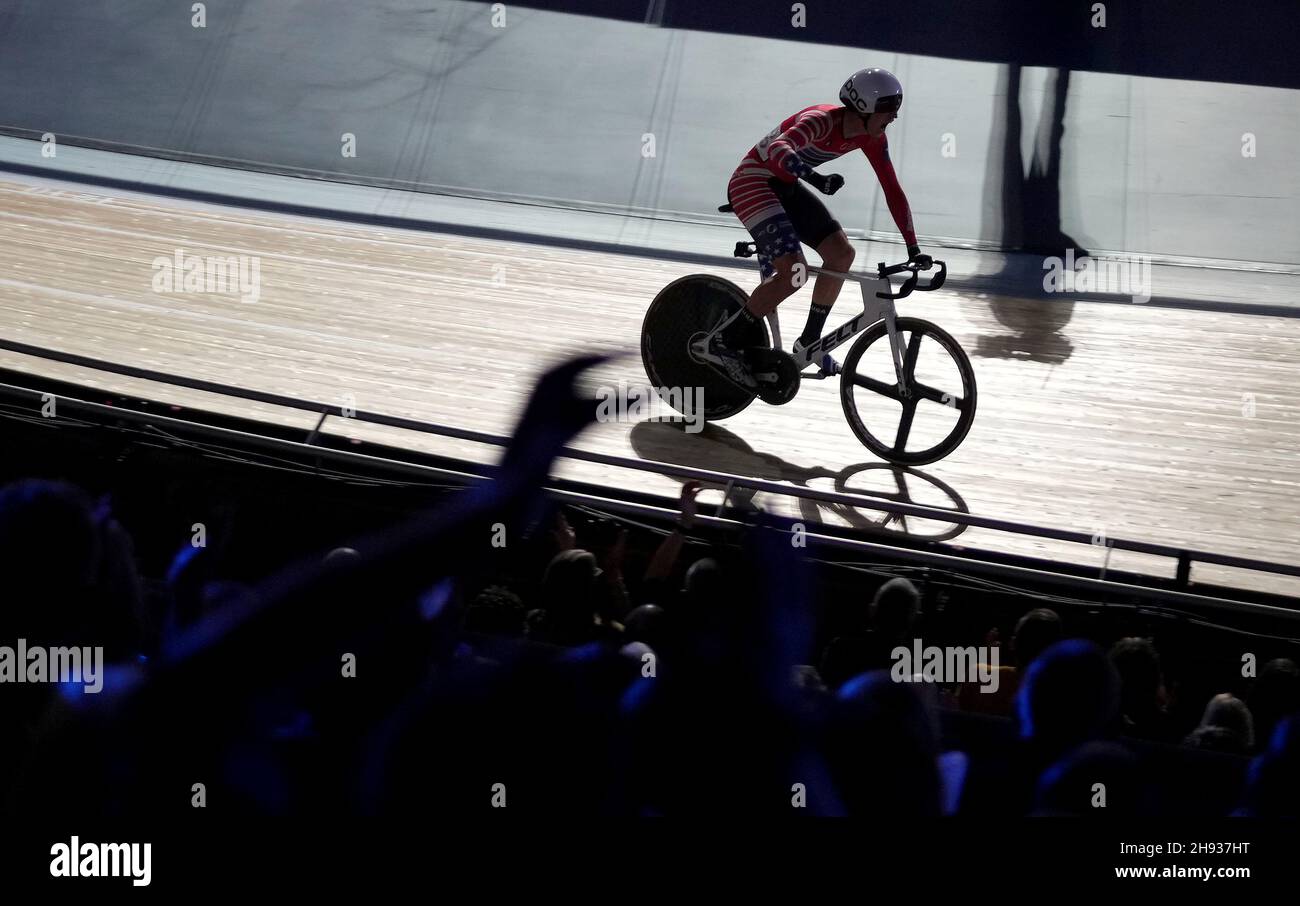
<point>868,90</point>
<point>853,95</point>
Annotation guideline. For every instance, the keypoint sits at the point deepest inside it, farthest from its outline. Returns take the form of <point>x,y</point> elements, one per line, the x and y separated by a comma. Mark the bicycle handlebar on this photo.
<point>910,283</point>
<point>749,249</point>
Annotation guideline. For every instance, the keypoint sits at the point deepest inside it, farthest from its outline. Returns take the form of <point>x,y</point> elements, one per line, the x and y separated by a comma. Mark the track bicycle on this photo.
<point>884,386</point>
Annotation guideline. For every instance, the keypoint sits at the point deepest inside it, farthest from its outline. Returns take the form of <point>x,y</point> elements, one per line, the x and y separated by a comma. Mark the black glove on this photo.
<point>925,262</point>
<point>827,185</point>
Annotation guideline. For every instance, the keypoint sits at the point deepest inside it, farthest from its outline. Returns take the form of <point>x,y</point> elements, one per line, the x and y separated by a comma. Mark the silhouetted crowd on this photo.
<point>399,675</point>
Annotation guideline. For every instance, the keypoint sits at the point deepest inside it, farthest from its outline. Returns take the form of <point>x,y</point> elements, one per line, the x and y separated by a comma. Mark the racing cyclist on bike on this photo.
<point>779,212</point>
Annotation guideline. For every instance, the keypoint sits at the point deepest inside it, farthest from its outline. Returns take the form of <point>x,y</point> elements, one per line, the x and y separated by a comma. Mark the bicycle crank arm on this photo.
<point>700,352</point>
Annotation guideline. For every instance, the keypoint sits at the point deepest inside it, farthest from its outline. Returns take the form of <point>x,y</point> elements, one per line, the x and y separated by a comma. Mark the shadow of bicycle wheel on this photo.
<point>719,450</point>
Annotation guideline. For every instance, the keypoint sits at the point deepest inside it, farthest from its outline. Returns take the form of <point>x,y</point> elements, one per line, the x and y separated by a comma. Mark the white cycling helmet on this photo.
<point>871,91</point>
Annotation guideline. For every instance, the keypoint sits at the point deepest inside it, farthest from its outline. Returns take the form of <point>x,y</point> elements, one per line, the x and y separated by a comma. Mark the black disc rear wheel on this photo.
<point>687,309</point>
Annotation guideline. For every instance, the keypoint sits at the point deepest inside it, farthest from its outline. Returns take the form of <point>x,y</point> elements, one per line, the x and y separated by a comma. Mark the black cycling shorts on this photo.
<point>805,219</point>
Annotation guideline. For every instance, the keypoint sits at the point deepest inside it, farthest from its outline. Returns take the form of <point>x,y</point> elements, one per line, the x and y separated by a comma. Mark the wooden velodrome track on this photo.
<point>1132,421</point>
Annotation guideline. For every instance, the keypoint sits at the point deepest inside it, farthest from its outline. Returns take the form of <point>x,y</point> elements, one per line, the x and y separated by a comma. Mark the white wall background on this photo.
<point>554,106</point>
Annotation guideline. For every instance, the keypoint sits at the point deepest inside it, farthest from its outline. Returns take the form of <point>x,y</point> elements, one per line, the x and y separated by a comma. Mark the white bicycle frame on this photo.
<point>874,307</point>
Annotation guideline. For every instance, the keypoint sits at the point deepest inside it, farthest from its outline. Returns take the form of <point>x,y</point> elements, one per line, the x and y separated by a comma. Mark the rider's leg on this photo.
<point>837,255</point>
<point>790,274</point>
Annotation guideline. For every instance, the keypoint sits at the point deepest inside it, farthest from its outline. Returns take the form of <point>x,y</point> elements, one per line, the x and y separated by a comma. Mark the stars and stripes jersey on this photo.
<point>814,136</point>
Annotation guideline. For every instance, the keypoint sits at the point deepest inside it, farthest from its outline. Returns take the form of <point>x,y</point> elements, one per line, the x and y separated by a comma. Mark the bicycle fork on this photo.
<point>896,350</point>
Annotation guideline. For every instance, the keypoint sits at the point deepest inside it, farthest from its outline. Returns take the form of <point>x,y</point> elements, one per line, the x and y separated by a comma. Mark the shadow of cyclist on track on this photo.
<point>717,449</point>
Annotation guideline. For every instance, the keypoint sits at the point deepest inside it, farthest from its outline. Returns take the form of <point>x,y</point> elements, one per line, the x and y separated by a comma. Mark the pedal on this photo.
<point>828,367</point>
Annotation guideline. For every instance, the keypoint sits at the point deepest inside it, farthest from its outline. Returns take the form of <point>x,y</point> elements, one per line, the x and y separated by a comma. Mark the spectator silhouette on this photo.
<point>570,603</point>
<point>1273,784</point>
<point>1143,696</point>
<point>1225,727</point>
<point>1069,696</point>
<point>1098,779</point>
<point>891,621</point>
<point>724,731</point>
<point>1034,632</point>
<point>883,749</point>
<point>704,585</point>
<point>50,556</point>
<point>69,570</point>
<point>1275,695</point>
<point>648,624</point>
<point>496,610</point>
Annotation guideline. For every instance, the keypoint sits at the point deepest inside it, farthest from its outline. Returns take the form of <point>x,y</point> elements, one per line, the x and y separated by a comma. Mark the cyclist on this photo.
<point>779,212</point>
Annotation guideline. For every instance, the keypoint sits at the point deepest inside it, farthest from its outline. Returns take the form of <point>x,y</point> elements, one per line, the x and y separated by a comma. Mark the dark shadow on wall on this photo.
<point>1025,206</point>
<point>1031,198</point>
